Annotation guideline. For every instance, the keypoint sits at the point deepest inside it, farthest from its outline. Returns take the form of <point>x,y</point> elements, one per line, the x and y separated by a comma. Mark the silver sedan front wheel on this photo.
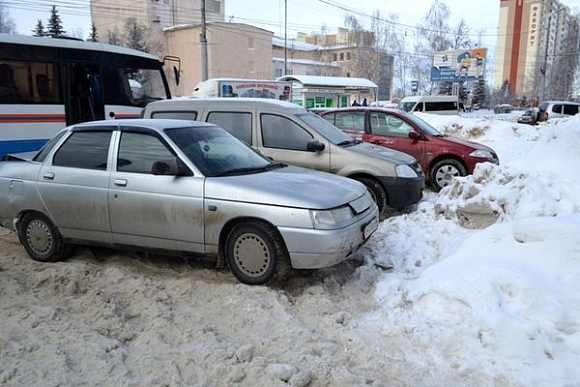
<point>255,253</point>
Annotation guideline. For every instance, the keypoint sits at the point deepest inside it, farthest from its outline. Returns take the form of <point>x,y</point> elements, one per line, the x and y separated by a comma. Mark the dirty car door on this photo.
<point>73,185</point>
<point>151,209</point>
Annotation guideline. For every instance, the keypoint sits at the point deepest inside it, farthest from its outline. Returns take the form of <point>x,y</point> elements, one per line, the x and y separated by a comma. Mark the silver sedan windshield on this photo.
<point>217,153</point>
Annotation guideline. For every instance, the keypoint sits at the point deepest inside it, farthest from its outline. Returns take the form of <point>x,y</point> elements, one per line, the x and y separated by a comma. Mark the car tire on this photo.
<point>41,239</point>
<point>378,193</point>
<point>443,172</point>
<point>256,254</point>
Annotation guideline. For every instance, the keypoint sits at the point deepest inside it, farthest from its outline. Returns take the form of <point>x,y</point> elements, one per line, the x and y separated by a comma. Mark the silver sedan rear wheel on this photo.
<point>41,238</point>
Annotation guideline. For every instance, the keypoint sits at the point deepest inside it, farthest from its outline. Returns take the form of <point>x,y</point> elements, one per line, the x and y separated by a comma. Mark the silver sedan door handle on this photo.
<point>120,182</point>
<point>48,176</point>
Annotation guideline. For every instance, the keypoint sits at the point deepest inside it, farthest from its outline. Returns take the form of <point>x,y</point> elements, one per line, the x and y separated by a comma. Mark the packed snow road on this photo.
<point>477,287</point>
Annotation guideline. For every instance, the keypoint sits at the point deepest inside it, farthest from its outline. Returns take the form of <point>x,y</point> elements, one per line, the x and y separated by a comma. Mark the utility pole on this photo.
<point>203,40</point>
<point>285,37</point>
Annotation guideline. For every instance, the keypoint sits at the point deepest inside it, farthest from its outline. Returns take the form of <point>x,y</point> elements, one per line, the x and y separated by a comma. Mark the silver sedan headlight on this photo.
<point>482,154</point>
<point>403,170</point>
<point>327,219</point>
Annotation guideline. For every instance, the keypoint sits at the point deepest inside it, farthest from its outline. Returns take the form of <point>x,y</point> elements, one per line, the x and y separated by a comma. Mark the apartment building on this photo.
<point>111,17</point>
<point>537,48</point>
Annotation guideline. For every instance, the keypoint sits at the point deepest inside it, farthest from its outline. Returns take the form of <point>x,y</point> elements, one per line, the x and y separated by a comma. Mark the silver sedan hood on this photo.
<point>289,187</point>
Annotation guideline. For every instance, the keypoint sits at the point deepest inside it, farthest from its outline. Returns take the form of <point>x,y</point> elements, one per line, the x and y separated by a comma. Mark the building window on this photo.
<point>348,55</point>
<point>278,73</point>
<point>251,66</point>
<point>334,57</point>
<point>213,6</point>
<point>341,56</point>
<point>251,43</point>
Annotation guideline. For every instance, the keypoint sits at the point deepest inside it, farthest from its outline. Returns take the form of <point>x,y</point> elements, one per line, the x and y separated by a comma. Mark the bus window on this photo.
<point>28,82</point>
<point>132,87</point>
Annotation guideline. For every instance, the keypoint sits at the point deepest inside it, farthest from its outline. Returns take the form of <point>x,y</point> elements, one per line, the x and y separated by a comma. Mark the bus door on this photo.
<point>83,92</point>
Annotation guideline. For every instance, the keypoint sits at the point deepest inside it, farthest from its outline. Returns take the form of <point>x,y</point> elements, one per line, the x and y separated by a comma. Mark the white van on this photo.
<point>558,109</point>
<point>243,88</point>
<point>434,104</point>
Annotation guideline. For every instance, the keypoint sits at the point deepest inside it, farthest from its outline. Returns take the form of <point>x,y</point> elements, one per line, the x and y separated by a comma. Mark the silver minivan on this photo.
<point>290,134</point>
<point>182,187</point>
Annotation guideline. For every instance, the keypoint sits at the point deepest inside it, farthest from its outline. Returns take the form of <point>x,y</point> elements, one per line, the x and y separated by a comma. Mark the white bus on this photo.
<point>47,84</point>
<point>434,104</point>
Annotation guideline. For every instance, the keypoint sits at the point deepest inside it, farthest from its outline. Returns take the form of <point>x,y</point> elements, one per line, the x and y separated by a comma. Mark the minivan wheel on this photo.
<point>377,192</point>
<point>443,172</point>
<point>41,239</point>
<point>256,253</point>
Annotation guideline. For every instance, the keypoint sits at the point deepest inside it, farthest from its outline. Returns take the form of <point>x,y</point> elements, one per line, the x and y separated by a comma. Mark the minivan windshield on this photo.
<point>215,152</point>
<point>325,128</point>
<point>406,106</point>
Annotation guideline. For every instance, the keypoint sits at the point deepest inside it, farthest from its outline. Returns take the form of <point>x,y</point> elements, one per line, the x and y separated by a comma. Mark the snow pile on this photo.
<point>503,301</point>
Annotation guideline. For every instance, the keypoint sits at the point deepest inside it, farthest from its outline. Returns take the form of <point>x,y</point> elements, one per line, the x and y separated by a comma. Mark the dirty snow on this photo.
<point>477,287</point>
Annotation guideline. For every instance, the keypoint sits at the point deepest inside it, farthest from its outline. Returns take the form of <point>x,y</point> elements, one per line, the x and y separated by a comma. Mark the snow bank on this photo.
<point>502,301</point>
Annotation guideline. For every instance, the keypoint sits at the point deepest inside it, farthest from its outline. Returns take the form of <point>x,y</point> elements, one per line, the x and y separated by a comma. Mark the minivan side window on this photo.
<point>87,150</point>
<point>177,115</point>
<point>238,124</point>
<point>280,132</point>
<point>139,151</point>
<point>571,109</point>
<point>353,121</point>
<point>557,108</point>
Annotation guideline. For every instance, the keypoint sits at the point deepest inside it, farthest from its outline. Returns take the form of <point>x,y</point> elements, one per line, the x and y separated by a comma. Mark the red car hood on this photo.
<point>470,144</point>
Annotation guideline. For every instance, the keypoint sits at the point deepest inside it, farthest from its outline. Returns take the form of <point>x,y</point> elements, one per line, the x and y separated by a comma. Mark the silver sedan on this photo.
<point>181,186</point>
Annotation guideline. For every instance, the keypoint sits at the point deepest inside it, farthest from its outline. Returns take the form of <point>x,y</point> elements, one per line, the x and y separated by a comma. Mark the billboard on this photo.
<point>458,65</point>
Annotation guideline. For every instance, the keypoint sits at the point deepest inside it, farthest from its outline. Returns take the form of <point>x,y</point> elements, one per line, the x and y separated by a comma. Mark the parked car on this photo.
<point>181,186</point>
<point>288,133</point>
<point>441,157</point>
<point>503,108</point>
<point>557,109</point>
<point>530,117</point>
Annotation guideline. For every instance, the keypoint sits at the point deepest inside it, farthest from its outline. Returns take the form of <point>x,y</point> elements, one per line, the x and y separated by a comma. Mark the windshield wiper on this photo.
<point>249,170</point>
<point>348,142</point>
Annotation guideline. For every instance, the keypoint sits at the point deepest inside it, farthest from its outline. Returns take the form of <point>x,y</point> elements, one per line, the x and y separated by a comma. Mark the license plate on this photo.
<point>370,228</point>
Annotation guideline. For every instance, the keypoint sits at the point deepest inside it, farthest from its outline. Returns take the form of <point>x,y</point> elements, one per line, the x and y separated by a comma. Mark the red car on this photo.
<point>441,157</point>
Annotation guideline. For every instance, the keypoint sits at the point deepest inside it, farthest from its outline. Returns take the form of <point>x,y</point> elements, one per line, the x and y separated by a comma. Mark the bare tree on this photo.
<point>7,24</point>
<point>432,35</point>
<point>114,37</point>
<point>461,36</point>
<point>136,35</point>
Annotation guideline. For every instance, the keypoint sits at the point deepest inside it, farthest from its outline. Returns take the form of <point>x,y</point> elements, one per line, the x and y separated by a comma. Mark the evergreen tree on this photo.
<point>136,35</point>
<point>39,29</point>
<point>93,35</point>
<point>54,26</point>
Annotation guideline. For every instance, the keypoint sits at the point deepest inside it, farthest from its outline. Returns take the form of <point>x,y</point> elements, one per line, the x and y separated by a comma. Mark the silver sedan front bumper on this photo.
<point>316,249</point>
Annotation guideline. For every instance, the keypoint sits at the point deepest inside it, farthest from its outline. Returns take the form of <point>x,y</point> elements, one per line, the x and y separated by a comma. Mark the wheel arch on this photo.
<point>358,175</point>
<point>230,225</point>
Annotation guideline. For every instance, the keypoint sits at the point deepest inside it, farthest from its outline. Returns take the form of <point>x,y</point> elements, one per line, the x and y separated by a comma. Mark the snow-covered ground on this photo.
<point>480,286</point>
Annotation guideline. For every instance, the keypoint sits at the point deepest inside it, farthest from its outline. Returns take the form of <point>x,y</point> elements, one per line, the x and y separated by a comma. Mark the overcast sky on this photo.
<point>303,15</point>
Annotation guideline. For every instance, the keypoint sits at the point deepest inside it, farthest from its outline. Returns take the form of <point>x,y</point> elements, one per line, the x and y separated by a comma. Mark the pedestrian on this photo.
<point>355,103</point>
<point>365,103</point>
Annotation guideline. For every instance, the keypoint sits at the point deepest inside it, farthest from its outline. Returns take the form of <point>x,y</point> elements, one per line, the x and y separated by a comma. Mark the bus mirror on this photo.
<point>176,73</point>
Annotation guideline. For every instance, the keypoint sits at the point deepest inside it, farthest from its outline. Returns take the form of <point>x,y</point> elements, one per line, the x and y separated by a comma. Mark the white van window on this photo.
<point>557,108</point>
<point>407,106</point>
<point>238,124</point>
<point>571,109</point>
<point>438,106</point>
<point>187,115</point>
<point>280,132</point>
